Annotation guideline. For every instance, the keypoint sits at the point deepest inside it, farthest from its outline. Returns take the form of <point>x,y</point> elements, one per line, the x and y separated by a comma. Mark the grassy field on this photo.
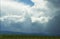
<point>27,37</point>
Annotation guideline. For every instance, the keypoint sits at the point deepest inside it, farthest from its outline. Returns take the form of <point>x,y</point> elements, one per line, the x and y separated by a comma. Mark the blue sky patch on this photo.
<point>28,2</point>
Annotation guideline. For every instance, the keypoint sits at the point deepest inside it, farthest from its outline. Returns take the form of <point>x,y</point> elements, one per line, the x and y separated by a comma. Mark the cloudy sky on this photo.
<point>32,16</point>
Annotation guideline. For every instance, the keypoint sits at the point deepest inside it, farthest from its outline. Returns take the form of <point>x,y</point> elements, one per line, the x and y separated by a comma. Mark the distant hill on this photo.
<point>23,33</point>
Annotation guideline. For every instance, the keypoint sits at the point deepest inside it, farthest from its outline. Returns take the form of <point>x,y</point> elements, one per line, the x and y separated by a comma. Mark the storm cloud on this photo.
<point>42,16</point>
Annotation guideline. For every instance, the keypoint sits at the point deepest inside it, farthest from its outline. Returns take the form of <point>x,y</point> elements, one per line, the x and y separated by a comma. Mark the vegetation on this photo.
<point>27,37</point>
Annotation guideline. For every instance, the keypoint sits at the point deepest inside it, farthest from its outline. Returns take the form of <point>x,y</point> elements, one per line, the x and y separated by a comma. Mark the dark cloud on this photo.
<point>56,3</point>
<point>54,25</point>
<point>34,27</point>
<point>37,27</point>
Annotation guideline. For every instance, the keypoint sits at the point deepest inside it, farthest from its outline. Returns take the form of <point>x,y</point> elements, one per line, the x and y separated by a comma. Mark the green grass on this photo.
<point>27,37</point>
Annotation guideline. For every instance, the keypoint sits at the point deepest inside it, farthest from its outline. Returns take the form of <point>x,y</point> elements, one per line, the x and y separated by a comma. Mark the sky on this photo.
<point>31,16</point>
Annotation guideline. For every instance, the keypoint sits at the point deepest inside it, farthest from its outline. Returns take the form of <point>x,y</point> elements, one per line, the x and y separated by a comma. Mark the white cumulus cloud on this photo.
<point>11,7</point>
